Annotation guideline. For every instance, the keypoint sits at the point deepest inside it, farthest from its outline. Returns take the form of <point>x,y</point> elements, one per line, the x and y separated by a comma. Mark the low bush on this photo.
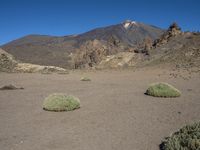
<point>163,90</point>
<point>60,102</point>
<point>187,138</point>
<point>85,79</point>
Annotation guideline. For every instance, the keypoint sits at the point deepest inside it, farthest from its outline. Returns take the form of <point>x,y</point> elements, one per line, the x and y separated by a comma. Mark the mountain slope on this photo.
<point>64,51</point>
<point>181,51</point>
<point>128,32</point>
<point>176,48</point>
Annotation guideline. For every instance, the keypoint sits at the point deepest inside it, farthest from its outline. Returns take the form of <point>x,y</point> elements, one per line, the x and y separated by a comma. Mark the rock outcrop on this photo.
<point>145,46</point>
<point>32,68</point>
<point>7,62</point>
<point>173,31</point>
<point>181,50</point>
<point>92,52</point>
<point>120,60</point>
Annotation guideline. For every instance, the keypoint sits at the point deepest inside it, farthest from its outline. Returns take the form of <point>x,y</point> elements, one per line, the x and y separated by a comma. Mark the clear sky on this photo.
<point>63,17</point>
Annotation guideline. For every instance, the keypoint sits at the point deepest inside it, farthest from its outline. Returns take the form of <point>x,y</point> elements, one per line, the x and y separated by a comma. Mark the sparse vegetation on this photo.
<point>46,72</point>
<point>85,79</point>
<point>162,90</point>
<point>187,138</point>
<point>60,102</point>
<point>63,72</point>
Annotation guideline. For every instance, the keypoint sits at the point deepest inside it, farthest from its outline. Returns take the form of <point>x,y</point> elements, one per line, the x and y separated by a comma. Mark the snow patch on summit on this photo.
<point>128,23</point>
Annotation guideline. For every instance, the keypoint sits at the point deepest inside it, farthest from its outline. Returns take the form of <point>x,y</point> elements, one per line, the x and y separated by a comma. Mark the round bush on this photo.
<point>163,90</point>
<point>85,79</point>
<point>187,138</point>
<point>61,102</point>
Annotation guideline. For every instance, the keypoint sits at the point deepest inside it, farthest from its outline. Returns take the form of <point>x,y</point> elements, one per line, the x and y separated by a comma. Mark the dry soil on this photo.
<point>114,115</point>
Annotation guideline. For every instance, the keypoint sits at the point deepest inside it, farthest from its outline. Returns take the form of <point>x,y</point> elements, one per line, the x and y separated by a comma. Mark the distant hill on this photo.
<point>87,49</point>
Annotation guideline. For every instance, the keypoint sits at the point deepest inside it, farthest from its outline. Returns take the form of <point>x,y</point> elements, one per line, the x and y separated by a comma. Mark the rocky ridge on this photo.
<point>9,64</point>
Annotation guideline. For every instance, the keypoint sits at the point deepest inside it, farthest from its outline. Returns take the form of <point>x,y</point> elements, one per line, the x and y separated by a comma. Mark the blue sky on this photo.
<point>63,17</point>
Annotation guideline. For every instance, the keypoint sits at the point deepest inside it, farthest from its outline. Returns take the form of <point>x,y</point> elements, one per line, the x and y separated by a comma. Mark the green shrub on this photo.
<point>162,90</point>
<point>187,138</point>
<point>85,79</point>
<point>60,102</point>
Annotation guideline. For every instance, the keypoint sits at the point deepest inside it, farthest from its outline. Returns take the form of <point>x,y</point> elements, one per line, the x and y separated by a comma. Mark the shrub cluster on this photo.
<point>187,138</point>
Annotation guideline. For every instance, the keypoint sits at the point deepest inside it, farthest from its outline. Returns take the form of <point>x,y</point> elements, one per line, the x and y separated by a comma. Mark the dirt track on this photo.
<point>114,113</point>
